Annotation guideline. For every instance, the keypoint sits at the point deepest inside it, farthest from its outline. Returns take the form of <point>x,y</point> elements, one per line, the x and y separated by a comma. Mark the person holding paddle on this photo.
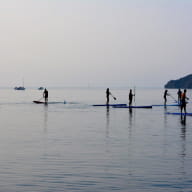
<point>108,93</point>
<point>45,95</point>
<point>131,97</point>
<point>165,96</point>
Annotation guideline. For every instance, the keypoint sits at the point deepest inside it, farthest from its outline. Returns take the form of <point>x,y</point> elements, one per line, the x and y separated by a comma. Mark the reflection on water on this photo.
<point>183,147</point>
<point>107,122</point>
<point>130,121</point>
<point>165,116</point>
<point>183,120</point>
<point>61,148</point>
<point>45,118</point>
<point>183,133</point>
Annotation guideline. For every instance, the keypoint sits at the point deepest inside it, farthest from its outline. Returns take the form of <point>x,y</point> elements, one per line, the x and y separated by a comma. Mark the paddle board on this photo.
<point>50,102</point>
<point>39,102</point>
<point>188,114</point>
<point>111,105</point>
<point>166,105</point>
<point>146,106</point>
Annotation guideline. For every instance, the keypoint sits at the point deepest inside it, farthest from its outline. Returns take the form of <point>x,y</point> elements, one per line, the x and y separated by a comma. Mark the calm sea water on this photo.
<point>77,147</point>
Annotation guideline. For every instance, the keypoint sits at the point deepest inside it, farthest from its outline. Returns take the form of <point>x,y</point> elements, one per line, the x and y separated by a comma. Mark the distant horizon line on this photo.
<point>87,87</point>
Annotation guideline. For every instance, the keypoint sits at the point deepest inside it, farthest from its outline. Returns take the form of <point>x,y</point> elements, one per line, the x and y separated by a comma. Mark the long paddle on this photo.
<point>172,98</point>
<point>40,99</point>
<point>134,94</point>
<point>114,97</point>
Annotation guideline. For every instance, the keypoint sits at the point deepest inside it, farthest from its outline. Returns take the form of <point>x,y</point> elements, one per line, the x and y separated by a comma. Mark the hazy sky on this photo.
<point>94,42</point>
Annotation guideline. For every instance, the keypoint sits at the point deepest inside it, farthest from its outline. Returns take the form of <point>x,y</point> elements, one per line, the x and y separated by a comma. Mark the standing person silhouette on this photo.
<point>183,101</point>
<point>108,93</point>
<point>179,93</point>
<point>165,96</point>
<point>45,95</point>
<point>130,97</point>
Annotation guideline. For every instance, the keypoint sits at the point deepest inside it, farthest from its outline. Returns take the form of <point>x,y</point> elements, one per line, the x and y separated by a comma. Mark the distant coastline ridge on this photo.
<point>183,83</point>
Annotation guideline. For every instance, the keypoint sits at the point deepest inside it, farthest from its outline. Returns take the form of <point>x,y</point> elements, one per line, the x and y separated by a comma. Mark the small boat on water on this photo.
<point>40,88</point>
<point>19,88</point>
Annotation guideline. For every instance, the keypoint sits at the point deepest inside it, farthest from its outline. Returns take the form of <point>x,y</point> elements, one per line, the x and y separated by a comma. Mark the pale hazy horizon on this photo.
<point>140,43</point>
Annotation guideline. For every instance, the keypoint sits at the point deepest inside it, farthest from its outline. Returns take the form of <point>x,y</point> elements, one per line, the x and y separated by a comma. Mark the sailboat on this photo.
<point>20,87</point>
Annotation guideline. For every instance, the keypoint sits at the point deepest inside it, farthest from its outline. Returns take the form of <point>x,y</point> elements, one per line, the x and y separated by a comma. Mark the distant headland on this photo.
<point>183,83</point>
